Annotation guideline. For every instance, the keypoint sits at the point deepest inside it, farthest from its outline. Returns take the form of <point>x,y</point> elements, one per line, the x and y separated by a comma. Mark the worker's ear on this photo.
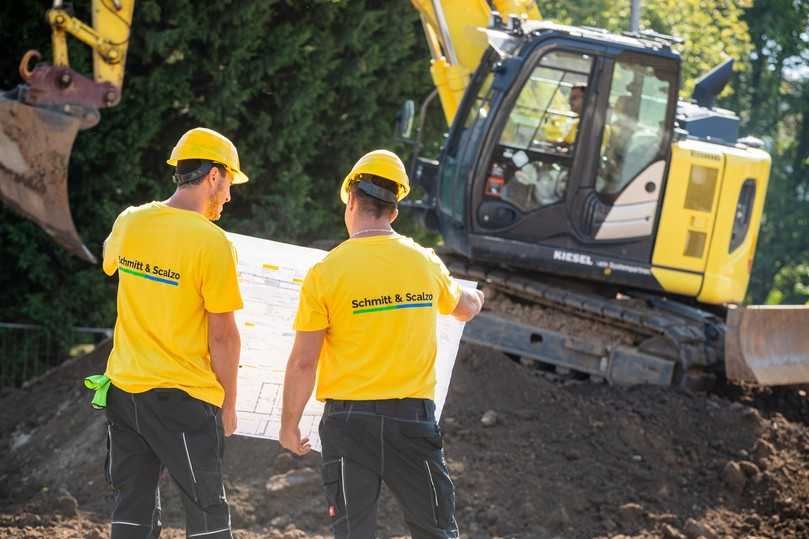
<point>394,214</point>
<point>212,176</point>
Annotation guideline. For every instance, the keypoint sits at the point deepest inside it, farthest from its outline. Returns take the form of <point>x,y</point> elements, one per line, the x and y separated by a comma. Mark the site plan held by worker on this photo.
<point>270,275</point>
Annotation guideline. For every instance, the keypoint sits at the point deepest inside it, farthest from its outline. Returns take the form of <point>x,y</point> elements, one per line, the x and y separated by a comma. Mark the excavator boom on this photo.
<point>456,42</point>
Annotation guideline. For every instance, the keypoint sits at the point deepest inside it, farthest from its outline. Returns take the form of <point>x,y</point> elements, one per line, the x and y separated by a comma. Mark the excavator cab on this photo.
<point>558,154</point>
<point>571,154</point>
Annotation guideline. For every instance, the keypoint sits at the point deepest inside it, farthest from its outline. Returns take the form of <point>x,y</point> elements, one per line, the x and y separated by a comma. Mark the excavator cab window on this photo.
<point>483,102</point>
<point>532,159</point>
<point>451,192</point>
<point>636,126</point>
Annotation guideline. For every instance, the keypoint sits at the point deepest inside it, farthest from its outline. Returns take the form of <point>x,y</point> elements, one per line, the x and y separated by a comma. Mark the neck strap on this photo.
<point>377,192</point>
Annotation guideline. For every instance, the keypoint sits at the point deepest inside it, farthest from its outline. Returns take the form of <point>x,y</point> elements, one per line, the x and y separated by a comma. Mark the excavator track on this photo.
<point>631,337</point>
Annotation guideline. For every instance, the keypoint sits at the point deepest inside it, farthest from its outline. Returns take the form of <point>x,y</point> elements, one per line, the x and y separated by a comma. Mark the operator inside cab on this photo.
<point>576,101</point>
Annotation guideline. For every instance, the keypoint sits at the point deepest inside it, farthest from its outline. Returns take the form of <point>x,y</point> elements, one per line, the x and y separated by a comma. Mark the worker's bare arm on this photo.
<point>224,344</point>
<point>299,381</point>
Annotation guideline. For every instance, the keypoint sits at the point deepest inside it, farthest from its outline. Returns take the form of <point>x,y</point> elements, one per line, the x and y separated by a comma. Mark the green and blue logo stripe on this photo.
<point>393,307</point>
<point>147,276</point>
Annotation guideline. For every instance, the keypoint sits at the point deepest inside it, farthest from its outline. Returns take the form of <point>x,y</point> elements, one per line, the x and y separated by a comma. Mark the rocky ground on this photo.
<point>532,456</point>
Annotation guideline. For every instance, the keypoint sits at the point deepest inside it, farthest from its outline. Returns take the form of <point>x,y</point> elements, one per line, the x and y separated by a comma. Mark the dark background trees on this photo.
<point>304,88</point>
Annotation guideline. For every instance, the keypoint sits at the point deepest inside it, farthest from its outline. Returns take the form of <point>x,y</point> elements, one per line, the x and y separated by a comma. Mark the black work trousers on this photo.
<point>396,441</point>
<point>165,428</point>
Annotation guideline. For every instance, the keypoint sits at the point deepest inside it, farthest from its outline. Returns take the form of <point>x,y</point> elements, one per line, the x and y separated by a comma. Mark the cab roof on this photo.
<point>516,33</point>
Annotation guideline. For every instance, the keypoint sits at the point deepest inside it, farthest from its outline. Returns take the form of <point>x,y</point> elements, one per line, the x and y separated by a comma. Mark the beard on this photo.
<point>213,208</point>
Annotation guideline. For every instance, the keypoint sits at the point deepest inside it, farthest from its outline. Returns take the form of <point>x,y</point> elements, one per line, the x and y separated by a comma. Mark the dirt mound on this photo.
<point>530,458</point>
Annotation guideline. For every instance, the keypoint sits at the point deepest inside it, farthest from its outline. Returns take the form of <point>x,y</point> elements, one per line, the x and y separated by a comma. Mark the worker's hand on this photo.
<point>290,438</point>
<point>469,305</point>
<point>229,419</point>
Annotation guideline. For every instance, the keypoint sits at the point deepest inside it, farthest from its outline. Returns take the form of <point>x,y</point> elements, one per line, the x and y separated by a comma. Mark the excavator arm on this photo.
<point>452,29</point>
<point>40,118</point>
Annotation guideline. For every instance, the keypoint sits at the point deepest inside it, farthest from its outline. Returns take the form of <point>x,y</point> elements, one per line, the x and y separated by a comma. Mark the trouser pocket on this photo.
<point>207,513</point>
<point>441,492</point>
<point>423,436</point>
<point>432,496</point>
<point>332,478</point>
<point>204,463</point>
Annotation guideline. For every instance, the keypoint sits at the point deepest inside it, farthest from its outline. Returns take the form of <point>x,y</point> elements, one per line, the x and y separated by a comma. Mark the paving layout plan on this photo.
<point>270,276</point>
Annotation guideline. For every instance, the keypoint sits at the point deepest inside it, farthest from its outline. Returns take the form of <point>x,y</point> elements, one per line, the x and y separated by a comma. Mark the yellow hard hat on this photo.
<point>202,143</point>
<point>381,163</point>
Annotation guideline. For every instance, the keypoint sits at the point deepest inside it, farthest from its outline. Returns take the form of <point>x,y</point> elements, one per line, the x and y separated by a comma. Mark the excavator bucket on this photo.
<point>768,345</point>
<point>35,145</point>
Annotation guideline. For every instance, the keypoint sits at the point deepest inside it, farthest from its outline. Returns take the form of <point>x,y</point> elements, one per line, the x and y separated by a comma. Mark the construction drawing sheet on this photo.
<point>270,277</point>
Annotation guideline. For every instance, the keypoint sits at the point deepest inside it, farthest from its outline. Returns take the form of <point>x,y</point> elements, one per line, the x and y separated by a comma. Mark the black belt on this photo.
<point>414,409</point>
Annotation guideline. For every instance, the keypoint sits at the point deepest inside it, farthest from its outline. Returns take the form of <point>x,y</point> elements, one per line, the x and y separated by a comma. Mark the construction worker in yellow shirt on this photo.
<point>175,357</point>
<point>576,101</point>
<point>366,326</point>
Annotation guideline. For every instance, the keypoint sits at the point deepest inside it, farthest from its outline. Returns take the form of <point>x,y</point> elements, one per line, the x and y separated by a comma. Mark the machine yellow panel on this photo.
<point>738,216</point>
<point>678,282</point>
<point>689,206</point>
<point>112,20</point>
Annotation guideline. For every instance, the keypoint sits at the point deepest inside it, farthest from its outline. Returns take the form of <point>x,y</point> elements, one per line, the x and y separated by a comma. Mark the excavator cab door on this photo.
<point>618,202</point>
<point>530,170</point>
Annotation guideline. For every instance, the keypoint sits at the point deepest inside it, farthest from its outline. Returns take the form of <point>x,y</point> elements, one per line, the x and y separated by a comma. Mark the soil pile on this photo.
<point>531,457</point>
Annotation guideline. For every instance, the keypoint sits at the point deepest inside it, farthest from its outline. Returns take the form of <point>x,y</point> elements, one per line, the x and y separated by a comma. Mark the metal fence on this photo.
<point>27,351</point>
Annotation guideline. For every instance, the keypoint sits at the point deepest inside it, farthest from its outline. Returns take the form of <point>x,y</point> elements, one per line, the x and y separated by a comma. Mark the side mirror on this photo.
<point>404,120</point>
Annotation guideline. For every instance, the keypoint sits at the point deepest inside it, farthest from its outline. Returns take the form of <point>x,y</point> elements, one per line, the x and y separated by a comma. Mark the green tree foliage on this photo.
<point>712,30</point>
<point>303,88</point>
<point>773,100</point>
<point>790,286</point>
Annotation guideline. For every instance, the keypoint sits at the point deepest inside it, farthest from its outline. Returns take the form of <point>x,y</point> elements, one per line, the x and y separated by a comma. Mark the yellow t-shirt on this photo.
<point>570,136</point>
<point>378,298</point>
<point>174,266</point>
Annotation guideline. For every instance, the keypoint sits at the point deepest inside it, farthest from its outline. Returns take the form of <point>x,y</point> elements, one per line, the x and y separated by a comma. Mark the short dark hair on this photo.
<point>369,204</point>
<point>185,166</point>
<point>579,86</point>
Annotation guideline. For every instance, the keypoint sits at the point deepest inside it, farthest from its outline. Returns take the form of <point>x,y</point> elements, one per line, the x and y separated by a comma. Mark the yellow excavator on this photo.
<point>573,178</point>
<point>574,181</point>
